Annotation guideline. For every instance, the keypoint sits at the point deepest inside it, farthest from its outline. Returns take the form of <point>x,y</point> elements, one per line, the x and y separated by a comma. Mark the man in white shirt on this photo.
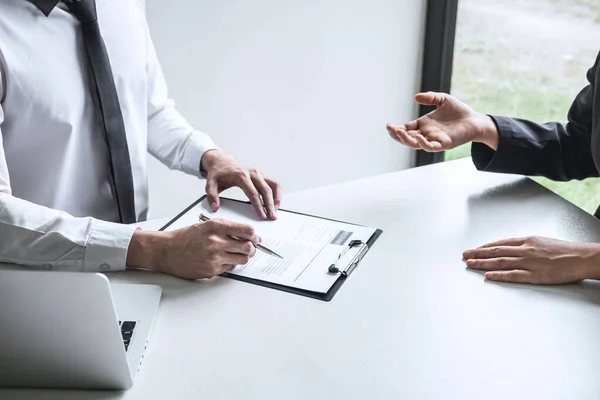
<point>59,208</point>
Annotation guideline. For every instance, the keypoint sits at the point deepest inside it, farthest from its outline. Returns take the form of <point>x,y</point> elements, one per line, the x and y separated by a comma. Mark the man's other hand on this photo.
<point>223,173</point>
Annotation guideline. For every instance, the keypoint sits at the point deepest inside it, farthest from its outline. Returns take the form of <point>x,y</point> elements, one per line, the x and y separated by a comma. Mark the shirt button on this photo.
<point>105,267</point>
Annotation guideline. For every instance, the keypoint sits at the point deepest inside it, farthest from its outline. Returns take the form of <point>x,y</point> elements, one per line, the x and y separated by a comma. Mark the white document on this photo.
<point>308,245</point>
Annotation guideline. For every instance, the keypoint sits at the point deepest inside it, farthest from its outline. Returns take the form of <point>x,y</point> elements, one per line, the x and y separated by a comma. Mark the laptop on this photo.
<point>72,329</point>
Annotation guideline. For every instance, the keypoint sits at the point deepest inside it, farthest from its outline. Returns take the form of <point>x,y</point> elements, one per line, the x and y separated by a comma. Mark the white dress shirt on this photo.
<point>56,204</point>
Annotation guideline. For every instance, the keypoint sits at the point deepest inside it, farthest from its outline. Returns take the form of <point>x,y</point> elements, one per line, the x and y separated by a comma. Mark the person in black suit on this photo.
<point>510,145</point>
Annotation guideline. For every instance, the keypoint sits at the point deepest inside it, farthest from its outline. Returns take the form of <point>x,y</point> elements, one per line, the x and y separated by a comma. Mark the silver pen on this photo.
<point>259,246</point>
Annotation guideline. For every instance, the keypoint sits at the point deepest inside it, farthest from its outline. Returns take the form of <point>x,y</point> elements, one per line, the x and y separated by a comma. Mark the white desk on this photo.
<point>410,323</point>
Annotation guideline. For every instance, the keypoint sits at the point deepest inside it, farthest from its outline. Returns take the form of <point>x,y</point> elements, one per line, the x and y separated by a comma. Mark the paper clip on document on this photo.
<point>334,269</point>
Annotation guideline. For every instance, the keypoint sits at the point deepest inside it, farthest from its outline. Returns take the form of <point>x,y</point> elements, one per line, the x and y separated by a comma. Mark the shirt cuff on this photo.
<point>197,144</point>
<point>107,246</point>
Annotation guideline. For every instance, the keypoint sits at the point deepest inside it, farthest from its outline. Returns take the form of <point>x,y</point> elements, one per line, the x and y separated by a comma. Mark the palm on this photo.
<point>451,124</point>
<point>448,125</point>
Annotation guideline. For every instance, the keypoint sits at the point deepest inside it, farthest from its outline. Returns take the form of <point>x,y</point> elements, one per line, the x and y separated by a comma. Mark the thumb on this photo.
<point>212,193</point>
<point>431,98</point>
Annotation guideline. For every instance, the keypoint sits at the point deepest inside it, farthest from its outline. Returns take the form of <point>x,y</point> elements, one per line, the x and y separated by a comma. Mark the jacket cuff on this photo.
<point>107,246</point>
<point>509,149</point>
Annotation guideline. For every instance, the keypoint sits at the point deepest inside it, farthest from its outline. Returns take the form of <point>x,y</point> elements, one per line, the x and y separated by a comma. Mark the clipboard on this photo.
<point>362,249</point>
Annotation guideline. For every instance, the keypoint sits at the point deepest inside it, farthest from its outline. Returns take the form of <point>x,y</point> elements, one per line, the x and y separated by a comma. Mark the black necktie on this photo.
<point>114,128</point>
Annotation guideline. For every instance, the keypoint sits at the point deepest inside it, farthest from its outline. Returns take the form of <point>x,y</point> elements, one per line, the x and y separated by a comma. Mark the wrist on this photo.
<point>147,250</point>
<point>487,132</point>
<point>209,159</point>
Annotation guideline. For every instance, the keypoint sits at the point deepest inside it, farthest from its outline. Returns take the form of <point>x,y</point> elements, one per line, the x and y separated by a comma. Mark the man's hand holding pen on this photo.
<point>202,250</point>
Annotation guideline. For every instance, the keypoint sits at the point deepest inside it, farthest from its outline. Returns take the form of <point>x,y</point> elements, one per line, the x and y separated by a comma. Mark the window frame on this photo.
<point>438,55</point>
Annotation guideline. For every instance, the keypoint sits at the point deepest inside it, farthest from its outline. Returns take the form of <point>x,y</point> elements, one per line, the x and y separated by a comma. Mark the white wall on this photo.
<point>301,90</point>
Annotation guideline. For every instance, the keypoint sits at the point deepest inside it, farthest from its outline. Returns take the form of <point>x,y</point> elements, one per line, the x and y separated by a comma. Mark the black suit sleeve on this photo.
<point>556,151</point>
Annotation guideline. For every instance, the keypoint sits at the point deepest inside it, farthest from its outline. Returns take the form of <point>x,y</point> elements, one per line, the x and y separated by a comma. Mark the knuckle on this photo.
<point>244,260</point>
<point>212,241</point>
<point>241,174</point>
<point>248,248</point>
<point>212,225</point>
<point>528,249</point>
<point>531,240</point>
<point>246,230</point>
<point>253,193</point>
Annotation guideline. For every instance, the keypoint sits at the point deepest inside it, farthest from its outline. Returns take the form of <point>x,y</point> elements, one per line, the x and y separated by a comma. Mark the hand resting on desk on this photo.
<point>536,260</point>
<point>223,173</point>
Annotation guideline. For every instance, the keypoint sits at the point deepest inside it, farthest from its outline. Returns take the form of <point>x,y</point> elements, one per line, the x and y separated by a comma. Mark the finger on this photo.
<point>494,264</point>
<point>391,130</point>
<point>411,126</point>
<point>431,98</point>
<point>265,192</point>
<point>225,268</point>
<point>235,259</point>
<point>243,247</point>
<point>277,192</point>
<point>402,136</point>
<point>212,193</point>
<point>505,242</point>
<point>249,189</point>
<point>395,136</point>
<point>240,231</point>
<point>514,276</point>
<point>427,145</point>
<point>493,252</point>
<point>409,140</point>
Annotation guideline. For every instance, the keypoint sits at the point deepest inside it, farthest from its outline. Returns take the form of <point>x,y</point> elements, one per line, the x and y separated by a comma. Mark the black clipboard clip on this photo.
<point>334,269</point>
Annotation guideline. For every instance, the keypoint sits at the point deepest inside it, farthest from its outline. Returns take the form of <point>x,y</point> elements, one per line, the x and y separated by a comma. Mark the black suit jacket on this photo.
<point>559,152</point>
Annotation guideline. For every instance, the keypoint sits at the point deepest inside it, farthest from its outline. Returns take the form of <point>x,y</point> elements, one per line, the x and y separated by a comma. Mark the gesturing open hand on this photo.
<point>451,124</point>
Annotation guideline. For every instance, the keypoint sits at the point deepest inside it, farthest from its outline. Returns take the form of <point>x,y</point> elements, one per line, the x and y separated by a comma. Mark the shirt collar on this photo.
<point>45,6</point>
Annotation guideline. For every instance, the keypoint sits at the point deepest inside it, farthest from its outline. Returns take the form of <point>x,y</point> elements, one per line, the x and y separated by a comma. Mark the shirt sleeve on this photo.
<point>171,139</point>
<point>556,151</point>
<point>37,236</point>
